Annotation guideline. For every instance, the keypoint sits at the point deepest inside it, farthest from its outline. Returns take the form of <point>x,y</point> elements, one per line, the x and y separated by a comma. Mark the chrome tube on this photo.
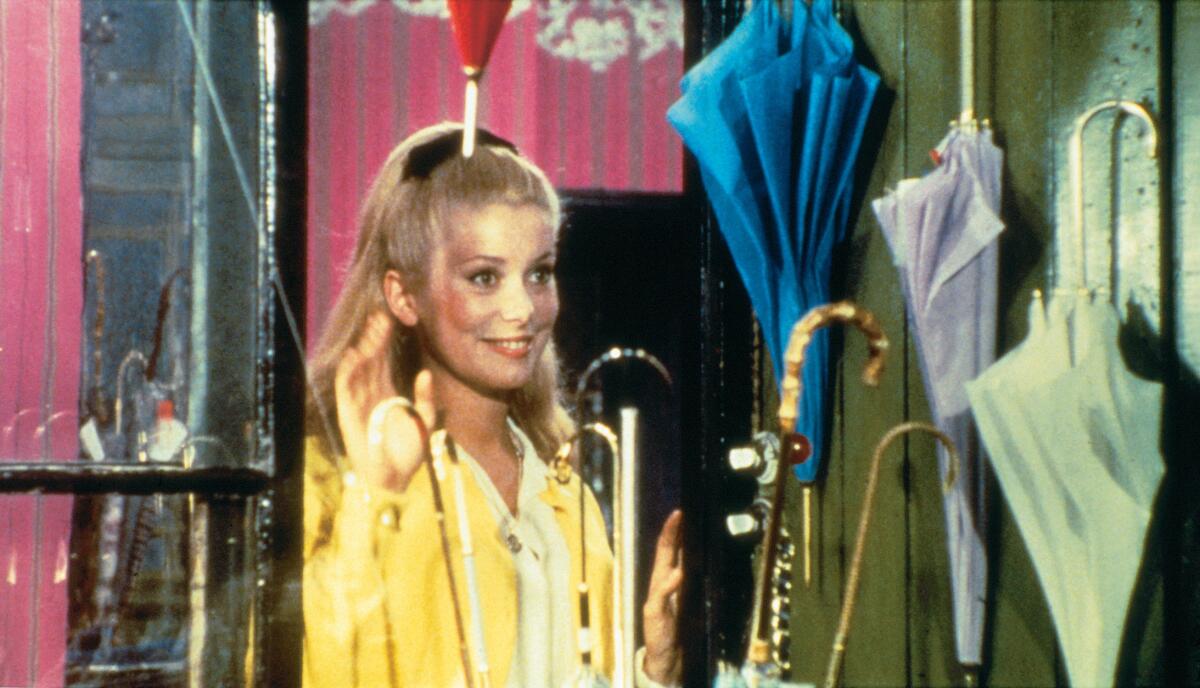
<point>625,550</point>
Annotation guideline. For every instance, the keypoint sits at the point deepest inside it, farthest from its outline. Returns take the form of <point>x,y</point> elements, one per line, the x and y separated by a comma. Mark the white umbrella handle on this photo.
<point>1075,152</point>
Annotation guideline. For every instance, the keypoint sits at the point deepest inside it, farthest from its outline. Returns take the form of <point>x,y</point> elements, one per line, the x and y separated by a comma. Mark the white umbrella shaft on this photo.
<point>625,528</point>
<point>470,116</point>
<point>468,552</point>
<point>966,59</point>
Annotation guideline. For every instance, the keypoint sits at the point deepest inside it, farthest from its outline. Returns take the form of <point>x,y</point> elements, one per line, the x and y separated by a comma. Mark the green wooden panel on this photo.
<point>1181,631</point>
<point>1186,172</point>
<point>877,652</point>
<point>1020,648</point>
<point>934,84</point>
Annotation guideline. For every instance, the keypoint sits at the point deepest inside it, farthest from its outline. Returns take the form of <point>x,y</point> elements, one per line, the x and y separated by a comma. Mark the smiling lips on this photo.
<point>513,347</point>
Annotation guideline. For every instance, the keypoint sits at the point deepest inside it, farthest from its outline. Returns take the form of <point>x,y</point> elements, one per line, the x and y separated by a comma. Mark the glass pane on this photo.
<point>135,314</point>
<point>134,328</point>
<point>127,590</point>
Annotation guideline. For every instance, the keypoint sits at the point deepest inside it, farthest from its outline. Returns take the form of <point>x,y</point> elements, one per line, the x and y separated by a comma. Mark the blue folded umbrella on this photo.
<point>775,117</point>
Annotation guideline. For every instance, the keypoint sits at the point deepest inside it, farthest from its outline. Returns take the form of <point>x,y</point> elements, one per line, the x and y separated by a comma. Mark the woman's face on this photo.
<point>489,302</point>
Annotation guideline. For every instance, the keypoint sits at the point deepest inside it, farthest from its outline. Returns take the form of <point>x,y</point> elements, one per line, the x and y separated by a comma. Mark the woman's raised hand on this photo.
<point>363,381</point>
<point>660,614</point>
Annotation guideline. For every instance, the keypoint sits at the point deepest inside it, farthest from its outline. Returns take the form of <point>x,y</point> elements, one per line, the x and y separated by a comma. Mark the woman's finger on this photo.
<point>377,333</point>
<point>667,552</point>
<point>663,659</point>
<point>423,398</point>
<point>344,371</point>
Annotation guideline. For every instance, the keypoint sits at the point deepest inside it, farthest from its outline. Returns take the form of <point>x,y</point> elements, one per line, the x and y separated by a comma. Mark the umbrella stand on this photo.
<point>796,450</point>
<point>849,598</point>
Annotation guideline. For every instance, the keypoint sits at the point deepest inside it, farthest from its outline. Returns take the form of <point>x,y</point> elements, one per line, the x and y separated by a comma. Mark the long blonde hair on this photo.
<point>400,223</point>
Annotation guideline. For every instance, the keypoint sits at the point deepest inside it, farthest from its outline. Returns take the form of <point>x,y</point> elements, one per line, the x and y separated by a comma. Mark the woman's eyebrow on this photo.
<point>478,258</point>
<point>498,260</point>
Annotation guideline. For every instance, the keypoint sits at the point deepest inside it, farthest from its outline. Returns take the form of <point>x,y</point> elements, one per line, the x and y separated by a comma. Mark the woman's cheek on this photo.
<point>466,311</point>
<point>548,306</point>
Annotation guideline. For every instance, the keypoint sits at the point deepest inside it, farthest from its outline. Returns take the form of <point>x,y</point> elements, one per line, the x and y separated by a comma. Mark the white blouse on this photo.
<point>544,654</point>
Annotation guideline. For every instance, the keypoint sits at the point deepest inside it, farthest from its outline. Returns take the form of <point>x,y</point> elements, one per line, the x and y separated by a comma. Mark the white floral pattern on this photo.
<point>595,32</point>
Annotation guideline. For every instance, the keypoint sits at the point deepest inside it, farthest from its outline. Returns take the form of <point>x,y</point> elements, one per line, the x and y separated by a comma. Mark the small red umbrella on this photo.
<point>476,25</point>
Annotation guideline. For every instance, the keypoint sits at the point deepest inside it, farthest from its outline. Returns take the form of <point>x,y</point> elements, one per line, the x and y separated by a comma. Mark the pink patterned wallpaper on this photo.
<point>41,299</point>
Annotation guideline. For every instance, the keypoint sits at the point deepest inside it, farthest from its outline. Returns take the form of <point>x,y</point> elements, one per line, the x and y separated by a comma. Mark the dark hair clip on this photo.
<point>423,159</point>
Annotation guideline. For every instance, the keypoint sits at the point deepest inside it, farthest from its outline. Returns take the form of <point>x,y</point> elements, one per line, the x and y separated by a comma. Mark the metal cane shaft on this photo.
<point>852,580</point>
<point>563,473</point>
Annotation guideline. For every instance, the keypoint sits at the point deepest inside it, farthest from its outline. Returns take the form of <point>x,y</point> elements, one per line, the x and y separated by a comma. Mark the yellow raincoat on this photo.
<point>377,603</point>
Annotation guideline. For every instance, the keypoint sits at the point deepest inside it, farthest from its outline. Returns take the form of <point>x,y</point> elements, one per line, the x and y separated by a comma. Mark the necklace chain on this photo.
<point>519,448</point>
<point>508,527</point>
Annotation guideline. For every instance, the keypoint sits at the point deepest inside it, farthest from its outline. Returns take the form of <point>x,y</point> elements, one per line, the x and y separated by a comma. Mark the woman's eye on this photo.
<point>484,278</point>
<point>543,274</point>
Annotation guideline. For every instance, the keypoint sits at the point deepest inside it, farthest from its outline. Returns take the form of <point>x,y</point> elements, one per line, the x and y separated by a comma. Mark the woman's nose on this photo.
<point>517,304</point>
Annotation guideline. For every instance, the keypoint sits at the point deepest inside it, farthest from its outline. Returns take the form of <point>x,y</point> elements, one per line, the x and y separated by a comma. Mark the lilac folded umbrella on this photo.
<point>942,232</point>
